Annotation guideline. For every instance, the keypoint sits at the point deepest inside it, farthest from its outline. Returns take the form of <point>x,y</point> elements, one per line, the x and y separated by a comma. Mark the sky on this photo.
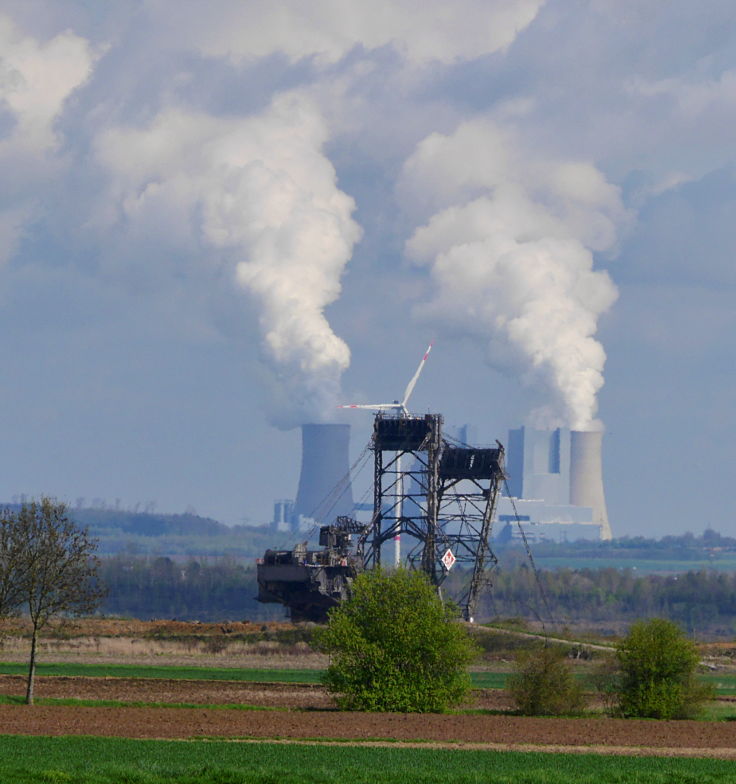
<point>220,220</point>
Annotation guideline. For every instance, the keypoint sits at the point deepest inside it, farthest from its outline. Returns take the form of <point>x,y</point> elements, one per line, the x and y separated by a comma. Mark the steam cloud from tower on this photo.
<point>259,191</point>
<point>509,245</point>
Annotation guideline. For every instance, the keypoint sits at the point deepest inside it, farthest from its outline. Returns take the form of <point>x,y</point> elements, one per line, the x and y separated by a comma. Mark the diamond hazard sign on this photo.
<point>448,559</point>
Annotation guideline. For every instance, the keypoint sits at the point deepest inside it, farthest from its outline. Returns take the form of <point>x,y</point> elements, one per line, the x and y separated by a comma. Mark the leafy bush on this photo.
<point>543,684</point>
<point>606,679</point>
<point>396,646</point>
<point>656,678</point>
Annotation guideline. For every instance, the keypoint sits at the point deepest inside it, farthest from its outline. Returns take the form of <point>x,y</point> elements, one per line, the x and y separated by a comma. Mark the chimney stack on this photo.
<point>325,490</point>
<point>586,476</point>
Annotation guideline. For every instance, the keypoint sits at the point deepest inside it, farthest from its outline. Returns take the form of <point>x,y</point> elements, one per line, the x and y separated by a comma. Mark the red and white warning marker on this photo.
<point>448,559</point>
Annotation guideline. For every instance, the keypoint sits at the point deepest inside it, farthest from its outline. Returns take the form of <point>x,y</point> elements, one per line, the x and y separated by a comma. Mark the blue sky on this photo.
<point>219,220</point>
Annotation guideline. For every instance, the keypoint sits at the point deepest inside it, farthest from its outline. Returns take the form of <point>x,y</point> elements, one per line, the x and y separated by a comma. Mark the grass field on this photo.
<point>152,671</point>
<point>481,680</point>
<point>111,761</point>
<point>725,683</point>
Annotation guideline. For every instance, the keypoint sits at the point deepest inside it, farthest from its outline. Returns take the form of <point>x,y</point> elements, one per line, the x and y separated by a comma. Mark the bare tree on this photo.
<point>57,569</point>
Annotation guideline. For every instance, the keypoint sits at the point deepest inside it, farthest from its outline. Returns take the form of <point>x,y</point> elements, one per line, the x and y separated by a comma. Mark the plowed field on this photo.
<point>613,735</point>
<point>308,715</point>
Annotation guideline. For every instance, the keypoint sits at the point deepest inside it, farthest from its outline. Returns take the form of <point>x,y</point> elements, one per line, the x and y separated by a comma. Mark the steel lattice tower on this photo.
<point>443,496</point>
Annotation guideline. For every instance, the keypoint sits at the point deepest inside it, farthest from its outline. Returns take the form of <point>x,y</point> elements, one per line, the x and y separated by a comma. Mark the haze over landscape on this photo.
<point>219,221</point>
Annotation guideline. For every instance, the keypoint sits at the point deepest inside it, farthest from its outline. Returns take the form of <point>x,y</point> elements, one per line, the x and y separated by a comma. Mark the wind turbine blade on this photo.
<point>410,386</point>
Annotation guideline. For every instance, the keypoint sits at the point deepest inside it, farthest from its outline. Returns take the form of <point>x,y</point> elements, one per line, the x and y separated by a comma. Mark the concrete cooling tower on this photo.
<point>324,490</point>
<point>586,476</point>
<point>556,479</point>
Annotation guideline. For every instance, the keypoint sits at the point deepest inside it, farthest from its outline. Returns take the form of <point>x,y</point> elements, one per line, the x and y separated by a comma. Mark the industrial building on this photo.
<point>325,490</point>
<point>554,486</point>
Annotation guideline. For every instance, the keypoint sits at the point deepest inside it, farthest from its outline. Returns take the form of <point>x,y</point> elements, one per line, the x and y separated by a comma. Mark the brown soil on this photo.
<point>303,712</point>
<point>296,696</point>
<point>699,738</point>
<point>308,715</point>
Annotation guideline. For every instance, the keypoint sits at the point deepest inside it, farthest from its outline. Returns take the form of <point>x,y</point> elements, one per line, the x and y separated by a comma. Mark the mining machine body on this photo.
<point>310,582</point>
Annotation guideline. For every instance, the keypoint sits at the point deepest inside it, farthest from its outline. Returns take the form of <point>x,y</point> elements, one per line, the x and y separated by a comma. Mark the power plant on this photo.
<point>555,485</point>
<point>446,509</point>
<point>441,494</point>
<point>586,476</point>
<point>325,490</point>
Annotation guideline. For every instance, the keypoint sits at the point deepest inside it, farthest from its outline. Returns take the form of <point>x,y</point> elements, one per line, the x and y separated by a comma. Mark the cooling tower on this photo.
<point>586,476</point>
<point>325,490</point>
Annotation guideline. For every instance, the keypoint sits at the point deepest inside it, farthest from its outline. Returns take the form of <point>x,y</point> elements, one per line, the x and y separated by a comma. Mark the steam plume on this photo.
<point>512,263</point>
<point>261,191</point>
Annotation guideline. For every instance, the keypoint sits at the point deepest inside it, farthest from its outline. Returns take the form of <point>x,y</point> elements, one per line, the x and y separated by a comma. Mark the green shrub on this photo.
<point>657,666</point>
<point>396,646</point>
<point>543,684</point>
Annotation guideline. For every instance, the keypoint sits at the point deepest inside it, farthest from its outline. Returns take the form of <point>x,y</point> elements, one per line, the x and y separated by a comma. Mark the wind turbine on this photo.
<point>403,411</point>
<point>396,406</point>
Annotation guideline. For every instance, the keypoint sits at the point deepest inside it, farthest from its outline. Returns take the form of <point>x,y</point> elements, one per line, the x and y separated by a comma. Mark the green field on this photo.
<point>83,703</point>
<point>112,761</point>
<point>481,680</point>
<point>147,671</point>
<point>725,683</point>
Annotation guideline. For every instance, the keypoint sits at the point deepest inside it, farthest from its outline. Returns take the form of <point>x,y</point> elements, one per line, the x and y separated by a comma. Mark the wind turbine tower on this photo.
<point>401,410</point>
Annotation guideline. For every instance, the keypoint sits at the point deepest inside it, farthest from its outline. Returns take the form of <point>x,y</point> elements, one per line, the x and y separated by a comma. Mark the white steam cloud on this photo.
<point>36,79</point>
<point>259,191</point>
<point>509,245</point>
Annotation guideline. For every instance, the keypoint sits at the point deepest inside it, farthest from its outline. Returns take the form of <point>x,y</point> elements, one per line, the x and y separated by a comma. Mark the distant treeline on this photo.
<point>188,535</point>
<point>702,602</point>
<point>217,590</point>
<point>710,545</point>
<point>686,547</point>
<point>121,531</point>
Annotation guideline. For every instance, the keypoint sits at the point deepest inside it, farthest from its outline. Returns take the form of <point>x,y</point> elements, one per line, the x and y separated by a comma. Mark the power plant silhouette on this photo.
<point>554,484</point>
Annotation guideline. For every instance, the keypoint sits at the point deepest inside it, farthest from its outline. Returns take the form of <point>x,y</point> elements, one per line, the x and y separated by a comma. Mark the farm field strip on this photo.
<point>102,703</point>
<point>166,672</point>
<point>92,760</point>
<point>164,723</point>
<point>725,683</point>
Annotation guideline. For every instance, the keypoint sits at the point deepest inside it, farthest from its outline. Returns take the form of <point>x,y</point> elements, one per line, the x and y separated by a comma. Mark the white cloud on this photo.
<point>432,30</point>
<point>36,79</point>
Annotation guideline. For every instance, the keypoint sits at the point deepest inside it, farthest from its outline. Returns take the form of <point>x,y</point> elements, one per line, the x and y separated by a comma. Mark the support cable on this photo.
<point>332,498</point>
<point>531,561</point>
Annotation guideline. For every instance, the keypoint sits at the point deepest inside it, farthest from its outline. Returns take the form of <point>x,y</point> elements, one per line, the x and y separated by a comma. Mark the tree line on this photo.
<point>219,589</point>
<point>701,602</point>
<point>683,547</point>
